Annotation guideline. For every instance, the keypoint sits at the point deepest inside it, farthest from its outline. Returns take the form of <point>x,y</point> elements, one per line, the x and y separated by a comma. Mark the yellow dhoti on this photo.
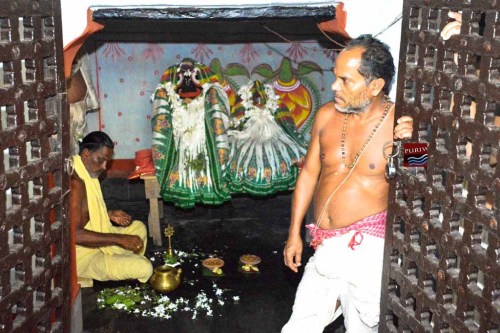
<point>108,262</point>
<point>120,264</point>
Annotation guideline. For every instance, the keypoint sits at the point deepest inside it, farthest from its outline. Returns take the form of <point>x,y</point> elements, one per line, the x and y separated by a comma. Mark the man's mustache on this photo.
<point>337,97</point>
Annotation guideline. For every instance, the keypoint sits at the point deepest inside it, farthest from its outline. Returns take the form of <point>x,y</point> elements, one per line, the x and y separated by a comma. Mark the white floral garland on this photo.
<point>251,110</point>
<point>246,96</point>
<point>188,120</point>
<point>188,125</point>
<point>257,137</point>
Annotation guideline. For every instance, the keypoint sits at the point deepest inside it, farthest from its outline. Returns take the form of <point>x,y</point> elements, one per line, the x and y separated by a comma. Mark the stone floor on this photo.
<point>244,225</point>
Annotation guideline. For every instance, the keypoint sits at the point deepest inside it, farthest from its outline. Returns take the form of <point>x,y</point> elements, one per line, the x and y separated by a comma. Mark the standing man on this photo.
<point>103,251</point>
<point>343,174</point>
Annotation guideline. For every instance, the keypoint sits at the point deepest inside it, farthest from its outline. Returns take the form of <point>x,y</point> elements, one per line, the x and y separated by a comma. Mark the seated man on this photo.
<point>103,251</point>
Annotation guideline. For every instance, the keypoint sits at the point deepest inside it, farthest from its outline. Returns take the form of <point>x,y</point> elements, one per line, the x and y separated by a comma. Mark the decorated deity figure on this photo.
<point>190,144</point>
<point>265,144</point>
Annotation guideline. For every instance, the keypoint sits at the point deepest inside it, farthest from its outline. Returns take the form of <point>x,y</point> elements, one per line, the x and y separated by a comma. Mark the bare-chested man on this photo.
<point>103,251</point>
<point>343,175</point>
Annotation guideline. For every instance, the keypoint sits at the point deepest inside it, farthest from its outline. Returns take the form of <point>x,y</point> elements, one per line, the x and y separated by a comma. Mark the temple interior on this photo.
<point>245,225</point>
<point>127,59</point>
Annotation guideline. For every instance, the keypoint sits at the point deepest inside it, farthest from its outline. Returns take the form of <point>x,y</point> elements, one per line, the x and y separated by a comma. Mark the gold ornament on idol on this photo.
<point>342,141</point>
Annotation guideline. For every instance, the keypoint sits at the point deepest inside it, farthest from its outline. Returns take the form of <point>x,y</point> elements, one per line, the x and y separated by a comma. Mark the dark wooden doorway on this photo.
<point>442,271</point>
<point>34,225</point>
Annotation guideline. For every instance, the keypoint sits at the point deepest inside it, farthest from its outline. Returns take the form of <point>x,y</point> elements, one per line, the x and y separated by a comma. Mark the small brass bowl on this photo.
<point>212,263</point>
<point>250,259</point>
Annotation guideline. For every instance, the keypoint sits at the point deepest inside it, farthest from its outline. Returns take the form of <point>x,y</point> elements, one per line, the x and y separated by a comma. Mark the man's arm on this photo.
<point>79,218</point>
<point>303,194</point>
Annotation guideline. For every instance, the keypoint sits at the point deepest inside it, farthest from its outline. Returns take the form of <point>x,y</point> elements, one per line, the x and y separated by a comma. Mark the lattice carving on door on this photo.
<point>34,233</point>
<point>442,268</point>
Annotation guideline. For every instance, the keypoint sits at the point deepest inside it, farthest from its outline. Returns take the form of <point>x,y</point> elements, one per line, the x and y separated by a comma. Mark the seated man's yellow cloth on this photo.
<point>108,262</point>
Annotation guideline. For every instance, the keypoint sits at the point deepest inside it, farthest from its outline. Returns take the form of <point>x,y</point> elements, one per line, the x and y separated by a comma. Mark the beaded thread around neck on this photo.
<point>358,154</point>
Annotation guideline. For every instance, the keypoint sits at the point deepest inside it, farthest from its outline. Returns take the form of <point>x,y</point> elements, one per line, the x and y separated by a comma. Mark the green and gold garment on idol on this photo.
<point>190,145</point>
<point>265,144</point>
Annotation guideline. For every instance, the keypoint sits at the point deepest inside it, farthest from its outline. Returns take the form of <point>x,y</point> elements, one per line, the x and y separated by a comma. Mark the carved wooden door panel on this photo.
<point>34,228</point>
<point>442,267</point>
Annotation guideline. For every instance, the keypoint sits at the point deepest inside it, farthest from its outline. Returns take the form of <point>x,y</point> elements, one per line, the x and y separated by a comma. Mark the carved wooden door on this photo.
<point>442,267</point>
<point>34,228</point>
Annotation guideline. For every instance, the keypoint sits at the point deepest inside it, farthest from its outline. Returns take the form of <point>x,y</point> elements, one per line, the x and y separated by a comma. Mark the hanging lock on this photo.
<point>69,165</point>
<point>391,169</point>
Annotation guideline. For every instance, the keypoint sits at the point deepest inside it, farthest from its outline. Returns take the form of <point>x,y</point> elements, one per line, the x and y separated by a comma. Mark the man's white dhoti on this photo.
<point>340,273</point>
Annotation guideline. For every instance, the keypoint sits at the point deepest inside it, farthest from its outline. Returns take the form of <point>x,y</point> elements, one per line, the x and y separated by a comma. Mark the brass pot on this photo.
<point>165,278</point>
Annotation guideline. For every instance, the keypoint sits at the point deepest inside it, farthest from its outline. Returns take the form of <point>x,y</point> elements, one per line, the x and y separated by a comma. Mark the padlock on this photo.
<point>390,168</point>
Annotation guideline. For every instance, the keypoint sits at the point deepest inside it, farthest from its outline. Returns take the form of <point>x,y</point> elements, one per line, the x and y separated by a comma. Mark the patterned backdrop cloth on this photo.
<point>265,144</point>
<point>190,144</point>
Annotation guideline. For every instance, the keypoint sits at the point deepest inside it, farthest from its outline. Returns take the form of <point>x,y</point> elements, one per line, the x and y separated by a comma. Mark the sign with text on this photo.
<point>415,155</point>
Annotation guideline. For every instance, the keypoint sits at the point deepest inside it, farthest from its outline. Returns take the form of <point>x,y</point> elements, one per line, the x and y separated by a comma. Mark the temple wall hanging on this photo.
<point>126,75</point>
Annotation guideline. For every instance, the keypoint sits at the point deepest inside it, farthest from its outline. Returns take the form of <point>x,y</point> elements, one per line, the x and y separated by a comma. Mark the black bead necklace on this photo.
<point>342,142</point>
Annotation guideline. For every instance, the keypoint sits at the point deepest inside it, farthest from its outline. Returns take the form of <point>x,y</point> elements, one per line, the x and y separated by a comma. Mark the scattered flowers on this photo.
<point>146,302</point>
